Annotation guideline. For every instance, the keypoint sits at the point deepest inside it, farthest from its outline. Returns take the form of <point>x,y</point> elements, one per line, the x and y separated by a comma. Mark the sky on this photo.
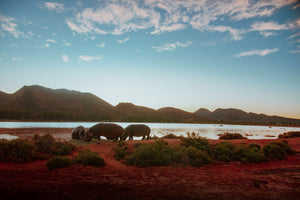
<point>187,54</point>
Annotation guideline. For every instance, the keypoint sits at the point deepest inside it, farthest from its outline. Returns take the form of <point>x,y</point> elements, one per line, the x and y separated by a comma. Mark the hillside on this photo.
<point>36,102</point>
<point>237,116</point>
<point>42,104</point>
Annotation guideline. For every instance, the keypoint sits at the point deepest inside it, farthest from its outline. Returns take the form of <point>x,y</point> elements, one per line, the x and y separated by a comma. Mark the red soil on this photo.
<point>269,180</point>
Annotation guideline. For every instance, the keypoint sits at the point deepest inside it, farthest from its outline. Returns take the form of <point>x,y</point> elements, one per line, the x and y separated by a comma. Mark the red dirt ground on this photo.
<point>269,180</point>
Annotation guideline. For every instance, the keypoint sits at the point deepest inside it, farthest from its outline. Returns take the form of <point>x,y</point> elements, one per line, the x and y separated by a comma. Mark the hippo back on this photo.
<point>109,130</point>
<point>137,130</point>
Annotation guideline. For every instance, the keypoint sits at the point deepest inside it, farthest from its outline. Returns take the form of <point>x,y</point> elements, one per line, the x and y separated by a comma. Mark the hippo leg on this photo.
<point>131,137</point>
<point>148,136</point>
<point>143,138</point>
<point>116,139</point>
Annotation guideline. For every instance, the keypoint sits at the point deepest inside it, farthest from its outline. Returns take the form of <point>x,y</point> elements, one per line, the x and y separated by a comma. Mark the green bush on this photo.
<point>21,151</point>
<point>197,157</point>
<point>86,157</point>
<point>58,162</point>
<point>44,143</point>
<point>198,142</point>
<point>155,154</point>
<point>291,134</point>
<point>277,150</point>
<point>62,148</point>
<point>170,136</point>
<point>231,136</point>
<point>4,149</point>
<point>120,150</point>
<point>225,151</point>
<point>250,153</point>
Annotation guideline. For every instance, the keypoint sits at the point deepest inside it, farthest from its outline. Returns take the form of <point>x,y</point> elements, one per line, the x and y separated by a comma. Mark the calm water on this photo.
<point>210,131</point>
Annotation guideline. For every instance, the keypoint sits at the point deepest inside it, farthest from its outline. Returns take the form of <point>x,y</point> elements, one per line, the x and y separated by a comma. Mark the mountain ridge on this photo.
<point>41,103</point>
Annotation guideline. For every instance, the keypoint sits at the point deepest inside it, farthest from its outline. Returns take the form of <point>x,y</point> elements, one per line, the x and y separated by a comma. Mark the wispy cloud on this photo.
<point>65,58</point>
<point>171,46</point>
<point>160,16</point>
<point>54,6</point>
<point>47,45</point>
<point>51,40</point>
<point>295,51</point>
<point>90,58</point>
<point>8,24</point>
<point>66,43</point>
<point>123,40</point>
<point>15,59</point>
<point>294,35</point>
<point>256,52</point>
<point>101,45</point>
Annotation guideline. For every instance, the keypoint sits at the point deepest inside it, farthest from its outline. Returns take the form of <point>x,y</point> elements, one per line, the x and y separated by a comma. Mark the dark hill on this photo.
<point>174,115</point>
<point>237,116</point>
<point>36,102</point>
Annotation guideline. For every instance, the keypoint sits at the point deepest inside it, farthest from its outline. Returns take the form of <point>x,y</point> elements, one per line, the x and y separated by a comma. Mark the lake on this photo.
<point>209,131</point>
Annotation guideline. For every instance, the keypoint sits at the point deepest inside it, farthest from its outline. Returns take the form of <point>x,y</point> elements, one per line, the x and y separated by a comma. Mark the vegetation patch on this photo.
<point>87,157</point>
<point>291,134</point>
<point>171,136</point>
<point>231,136</point>
<point>120,150</point>
<point>197,157</point>
<point>195,140</point>
<point>277,150</point>
<point>57,162</point>
<point>18,150</point>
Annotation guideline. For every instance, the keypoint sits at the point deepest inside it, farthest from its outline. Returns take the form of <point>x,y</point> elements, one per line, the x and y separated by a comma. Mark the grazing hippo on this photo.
<point>78,133</point>
<point>109,130</point>
<point>136,130</point>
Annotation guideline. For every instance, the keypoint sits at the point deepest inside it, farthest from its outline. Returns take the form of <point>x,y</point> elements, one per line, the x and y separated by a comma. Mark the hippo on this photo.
<point>78,133</point>
<point>109,130</point>
<point>136,130</point>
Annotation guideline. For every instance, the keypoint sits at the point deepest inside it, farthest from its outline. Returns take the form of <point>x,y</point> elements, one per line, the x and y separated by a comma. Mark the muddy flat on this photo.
<point>220,180</point>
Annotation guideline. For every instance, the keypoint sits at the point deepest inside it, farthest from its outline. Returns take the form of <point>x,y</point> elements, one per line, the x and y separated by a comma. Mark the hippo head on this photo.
<point>81,135</point>
<point>88,136</point>
<point>125,135</point>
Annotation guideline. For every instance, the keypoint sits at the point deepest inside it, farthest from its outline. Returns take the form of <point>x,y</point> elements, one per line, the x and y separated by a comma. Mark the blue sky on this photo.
<point>156,53</point>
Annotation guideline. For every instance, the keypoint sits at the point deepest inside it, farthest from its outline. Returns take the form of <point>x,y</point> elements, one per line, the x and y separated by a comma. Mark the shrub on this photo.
<point>198,142</point>
<point>155,154</point>
<point>291,134</point>
<point>225,151</point>
<point>231,136</point>
<point>250,153</point>
<point>179,156</point>
<point>4,149</point>
<point>58,162</point>
<point>278,150</point>
<point>44,143</point>
<point>197,157</point>
<point>170,136</point>
<point>62,148</point>
<point>21,151</point>
<point>120,150</point>
<point>86,157</point>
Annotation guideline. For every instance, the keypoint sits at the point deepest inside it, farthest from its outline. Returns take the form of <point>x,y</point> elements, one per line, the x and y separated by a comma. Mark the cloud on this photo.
<point>256,52</point>
<point>47,45</point>
<point>124,40</point>
<point>294,35</point>
<point>66,43</point>
<point>10,25</point>
<point>89,58</point>
<point>295,51</point>
<point>268,26</point>
<point>54,6</point>
<point>65,58</point>
<point>171,46</point>
<point>15,59</point>
<point>160,16</point>
<point>101,45</point>
<point>51,40</point>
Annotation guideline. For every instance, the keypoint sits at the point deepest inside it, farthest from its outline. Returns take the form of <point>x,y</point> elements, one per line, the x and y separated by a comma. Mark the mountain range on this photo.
<point>37,103</point>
